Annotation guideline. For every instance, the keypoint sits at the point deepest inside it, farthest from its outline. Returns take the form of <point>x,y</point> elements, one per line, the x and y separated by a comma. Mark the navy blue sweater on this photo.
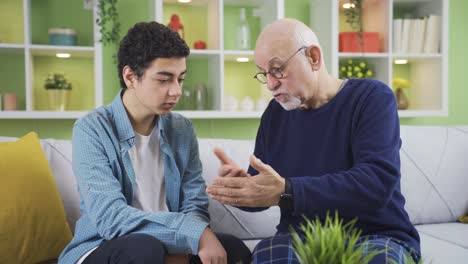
<point>342,156</point>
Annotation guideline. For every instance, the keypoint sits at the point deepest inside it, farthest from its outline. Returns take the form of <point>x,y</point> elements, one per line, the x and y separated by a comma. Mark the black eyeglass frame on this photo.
<point>276,71</point>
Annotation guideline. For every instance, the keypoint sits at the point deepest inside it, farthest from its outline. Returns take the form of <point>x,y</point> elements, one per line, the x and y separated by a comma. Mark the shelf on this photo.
<point>78,114</point>
<point>215,22</point>
<point>220,114</point>
<point>422,113</point>
<point>232,55</point>
<point>51,50</point>
<point>426,73</point>
<point>204,52</point>
<point>11,48</point>
<point>363,55</point>
<point>47,14</point>
<point>245,3</point>
<point>417,55</point>
<point>41,114</point>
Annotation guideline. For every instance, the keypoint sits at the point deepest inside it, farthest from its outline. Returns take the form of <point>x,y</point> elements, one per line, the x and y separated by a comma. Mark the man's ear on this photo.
<point>129,77</point>
<point>314,54</point>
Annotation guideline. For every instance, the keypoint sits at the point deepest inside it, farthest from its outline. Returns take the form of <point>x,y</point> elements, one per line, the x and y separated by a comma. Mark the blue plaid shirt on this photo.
<point>105,177</point>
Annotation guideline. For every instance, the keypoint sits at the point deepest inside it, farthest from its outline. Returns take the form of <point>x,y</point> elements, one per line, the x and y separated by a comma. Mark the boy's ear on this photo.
<point>129,77</point>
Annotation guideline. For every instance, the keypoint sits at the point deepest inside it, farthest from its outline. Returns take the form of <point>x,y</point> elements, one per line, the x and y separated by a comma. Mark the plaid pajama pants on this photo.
<point>279,250</point>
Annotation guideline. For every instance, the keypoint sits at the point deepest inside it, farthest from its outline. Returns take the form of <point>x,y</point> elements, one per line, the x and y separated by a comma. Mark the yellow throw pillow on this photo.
<point>463,219</point>
<point>33,227</point>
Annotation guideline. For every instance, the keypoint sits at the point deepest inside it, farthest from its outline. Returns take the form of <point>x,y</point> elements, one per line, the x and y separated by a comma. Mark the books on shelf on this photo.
<point>417,35</point>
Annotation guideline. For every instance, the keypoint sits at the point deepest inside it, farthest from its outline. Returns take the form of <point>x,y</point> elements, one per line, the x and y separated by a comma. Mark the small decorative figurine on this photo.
<point>199,44</point>
<point>176,25</point>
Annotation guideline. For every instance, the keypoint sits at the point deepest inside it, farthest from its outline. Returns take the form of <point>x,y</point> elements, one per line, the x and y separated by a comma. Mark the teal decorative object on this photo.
<point>62,36</point>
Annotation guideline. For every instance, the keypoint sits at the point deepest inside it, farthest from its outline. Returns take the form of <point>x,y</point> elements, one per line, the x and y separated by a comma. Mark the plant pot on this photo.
<point>402,99</point>
<point>350,42</point>
<point>58,99</point>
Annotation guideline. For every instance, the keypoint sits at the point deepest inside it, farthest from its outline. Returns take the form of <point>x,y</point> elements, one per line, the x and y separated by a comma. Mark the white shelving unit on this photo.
<point>33,52</point>
<point>220,54</point>
<point>426,72</point>
<point>211,66</point>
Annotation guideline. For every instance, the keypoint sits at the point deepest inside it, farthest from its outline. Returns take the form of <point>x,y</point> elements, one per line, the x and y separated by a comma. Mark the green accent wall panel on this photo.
<point>239,81</point>
<point>130,13</point>
<point>11,21</point>
<point>12,76</point>
<point>60,129</point>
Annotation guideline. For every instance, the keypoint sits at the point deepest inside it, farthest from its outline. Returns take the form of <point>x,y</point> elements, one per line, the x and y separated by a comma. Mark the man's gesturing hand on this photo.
<point>262,190</point>
<point>228,167</point>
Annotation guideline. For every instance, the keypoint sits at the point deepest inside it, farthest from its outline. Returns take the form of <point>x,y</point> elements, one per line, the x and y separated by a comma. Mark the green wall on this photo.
<point>132,12</point>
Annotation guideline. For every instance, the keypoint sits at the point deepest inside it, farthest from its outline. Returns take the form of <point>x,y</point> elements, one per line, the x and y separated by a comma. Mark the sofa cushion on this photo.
<point>437,249</point>
<point>434,172</point>
<point>59,155</point>
<point>227,219</point>
<point>32,219</point>
<point>455,233</point>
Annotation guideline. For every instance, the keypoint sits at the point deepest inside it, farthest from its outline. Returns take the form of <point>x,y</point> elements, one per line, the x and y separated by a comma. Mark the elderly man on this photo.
<point>323,145</point>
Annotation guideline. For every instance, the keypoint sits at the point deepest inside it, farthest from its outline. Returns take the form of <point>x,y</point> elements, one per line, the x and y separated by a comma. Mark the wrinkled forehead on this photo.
<point>272,52</point>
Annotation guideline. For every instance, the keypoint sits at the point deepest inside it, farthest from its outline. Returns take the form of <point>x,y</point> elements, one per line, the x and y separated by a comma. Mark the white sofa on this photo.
<point>434,182</point>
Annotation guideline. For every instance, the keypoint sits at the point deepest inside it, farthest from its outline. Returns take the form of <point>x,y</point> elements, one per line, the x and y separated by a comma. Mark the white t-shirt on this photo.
<point>150,189</point>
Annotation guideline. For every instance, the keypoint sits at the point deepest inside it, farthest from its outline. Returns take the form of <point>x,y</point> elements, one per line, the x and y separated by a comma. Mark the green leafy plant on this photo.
<point>108,21</point>
<point>330,242</point>
<point>354,15</point>
<point>57,81</point>
<point>355,69</point>
<point>354,18</point>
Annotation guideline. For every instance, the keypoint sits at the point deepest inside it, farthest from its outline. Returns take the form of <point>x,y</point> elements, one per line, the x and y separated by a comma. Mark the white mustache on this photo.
<point>280,91</point>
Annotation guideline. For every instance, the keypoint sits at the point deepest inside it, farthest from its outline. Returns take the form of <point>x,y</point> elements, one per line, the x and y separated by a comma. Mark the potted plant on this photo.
<point>332,241</point>
<point>357,40</point>
<point>355,69</point>
<point>58,89</point>
<point>108,21</point>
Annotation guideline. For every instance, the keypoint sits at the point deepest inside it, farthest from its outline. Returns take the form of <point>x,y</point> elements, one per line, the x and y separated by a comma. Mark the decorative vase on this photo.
<point>200,93</point>
<point>231,103</point>
<point>247,104</point>
<point>402,99</point>
<point>186,99</point>
<point>58,99</point>
<point>243,32</point>
<point>10,102</point>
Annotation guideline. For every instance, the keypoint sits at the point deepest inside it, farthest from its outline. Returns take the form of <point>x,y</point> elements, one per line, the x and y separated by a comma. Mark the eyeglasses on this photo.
<point>276,71</point>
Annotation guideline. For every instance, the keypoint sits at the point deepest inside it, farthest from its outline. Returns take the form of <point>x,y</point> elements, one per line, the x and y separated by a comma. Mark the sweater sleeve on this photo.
<point>259,152</point>
<point>369,184</point>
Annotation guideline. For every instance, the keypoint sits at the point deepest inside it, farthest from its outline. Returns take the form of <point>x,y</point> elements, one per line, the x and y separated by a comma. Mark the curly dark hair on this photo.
<point>146,41</point>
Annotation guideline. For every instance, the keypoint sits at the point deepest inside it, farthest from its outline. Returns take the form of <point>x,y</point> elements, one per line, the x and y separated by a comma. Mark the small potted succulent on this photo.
<point>58,89</point>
